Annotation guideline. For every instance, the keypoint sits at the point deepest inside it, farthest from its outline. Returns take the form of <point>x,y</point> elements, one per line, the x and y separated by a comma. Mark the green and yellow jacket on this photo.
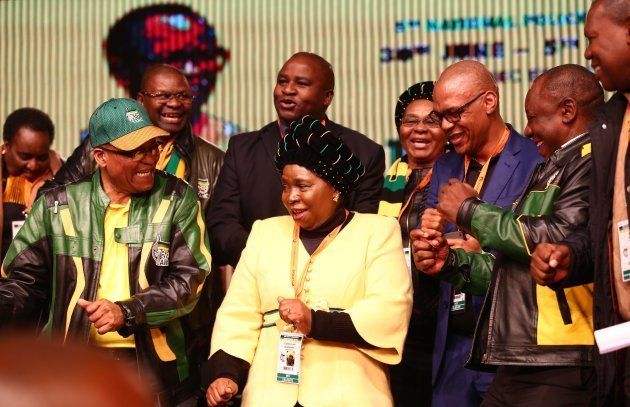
<point>523,323</point>
<point>56,259</point>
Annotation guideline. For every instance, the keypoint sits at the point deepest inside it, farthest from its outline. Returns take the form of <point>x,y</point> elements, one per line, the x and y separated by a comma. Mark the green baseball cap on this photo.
<point>124,123</point>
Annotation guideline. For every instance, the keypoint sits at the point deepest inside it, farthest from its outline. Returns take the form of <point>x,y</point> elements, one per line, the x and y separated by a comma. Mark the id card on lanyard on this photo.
<point>290,341</point>
<point>289,357</point>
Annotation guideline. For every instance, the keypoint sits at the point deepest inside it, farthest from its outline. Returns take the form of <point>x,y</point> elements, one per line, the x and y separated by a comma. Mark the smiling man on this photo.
<point>116,259</point>
<point>540,338</point>
<point>601,246</point>
<point>497,161</point>
<point>168,99</point>
<point>249,188</point>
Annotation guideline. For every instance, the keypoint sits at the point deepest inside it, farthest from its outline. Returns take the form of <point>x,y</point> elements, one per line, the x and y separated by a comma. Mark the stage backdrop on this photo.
<point>67,56</point>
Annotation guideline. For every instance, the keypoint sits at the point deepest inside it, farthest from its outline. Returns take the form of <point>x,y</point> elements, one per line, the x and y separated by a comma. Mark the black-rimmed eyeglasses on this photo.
<point>454,115</point>
<point>412,121</point>
<point>138,154</point>
<point>162,97</point>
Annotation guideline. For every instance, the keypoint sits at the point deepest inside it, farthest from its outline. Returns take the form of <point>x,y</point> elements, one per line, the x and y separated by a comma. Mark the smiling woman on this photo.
<point>27,162</point>
<point>342,305</point>
<point>403,197</point>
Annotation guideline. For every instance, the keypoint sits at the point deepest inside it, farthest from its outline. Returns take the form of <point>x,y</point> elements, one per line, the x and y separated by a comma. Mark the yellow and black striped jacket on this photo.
<point>522,323</point>
<point>56,257</point>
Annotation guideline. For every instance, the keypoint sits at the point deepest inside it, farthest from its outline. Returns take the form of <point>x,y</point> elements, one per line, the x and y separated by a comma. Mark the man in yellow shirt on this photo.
<point>117,259</point>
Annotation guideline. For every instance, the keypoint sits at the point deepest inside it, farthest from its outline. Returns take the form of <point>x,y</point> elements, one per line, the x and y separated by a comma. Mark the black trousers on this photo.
<point>542,386</point>
<point>411,384</point>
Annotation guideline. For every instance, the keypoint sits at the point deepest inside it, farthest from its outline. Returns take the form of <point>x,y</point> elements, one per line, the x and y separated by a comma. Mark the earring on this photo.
<point>336,196</point>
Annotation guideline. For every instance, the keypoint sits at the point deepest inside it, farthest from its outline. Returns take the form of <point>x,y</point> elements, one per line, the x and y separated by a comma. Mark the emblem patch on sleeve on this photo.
<point>203,188</point>
<point>160,252</point>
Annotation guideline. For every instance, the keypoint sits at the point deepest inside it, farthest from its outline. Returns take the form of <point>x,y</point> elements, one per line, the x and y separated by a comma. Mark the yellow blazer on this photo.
<point>362,271</point>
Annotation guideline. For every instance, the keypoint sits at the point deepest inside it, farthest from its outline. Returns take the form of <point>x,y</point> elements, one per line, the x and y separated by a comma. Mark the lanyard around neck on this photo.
<point>294,254</point>
<point>425,181</point>
<point>484,170</point>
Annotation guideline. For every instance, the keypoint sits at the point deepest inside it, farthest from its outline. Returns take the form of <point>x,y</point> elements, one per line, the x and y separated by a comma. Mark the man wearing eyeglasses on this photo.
<point>539,339</point>
<point>116,259</point>
<point>493,158</point>
<point>167,97</point>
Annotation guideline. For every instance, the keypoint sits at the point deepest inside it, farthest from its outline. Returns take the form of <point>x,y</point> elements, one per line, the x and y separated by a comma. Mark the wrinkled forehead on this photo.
<point>169,82</point>
<point>452,93</point>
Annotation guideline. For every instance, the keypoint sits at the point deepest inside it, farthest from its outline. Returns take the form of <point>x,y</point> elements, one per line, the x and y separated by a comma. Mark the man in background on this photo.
<point>249,186</point>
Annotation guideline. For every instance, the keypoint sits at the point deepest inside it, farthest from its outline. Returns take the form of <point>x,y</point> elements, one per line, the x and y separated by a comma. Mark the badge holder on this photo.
<point>289,357</point>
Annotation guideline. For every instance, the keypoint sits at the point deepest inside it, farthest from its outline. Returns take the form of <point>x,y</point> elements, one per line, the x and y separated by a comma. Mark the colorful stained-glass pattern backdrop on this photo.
<point>67,56</point>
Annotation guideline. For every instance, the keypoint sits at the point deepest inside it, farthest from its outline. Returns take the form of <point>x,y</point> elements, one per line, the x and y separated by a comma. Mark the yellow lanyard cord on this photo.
<point>484,170</point>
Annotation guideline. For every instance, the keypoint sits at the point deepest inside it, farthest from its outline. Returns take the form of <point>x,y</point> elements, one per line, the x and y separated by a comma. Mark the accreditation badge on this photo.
<point>623,233</point>
<point>16,225</point>
<point>289,357</point>
<point>407,254</point>
<point>459,302</point>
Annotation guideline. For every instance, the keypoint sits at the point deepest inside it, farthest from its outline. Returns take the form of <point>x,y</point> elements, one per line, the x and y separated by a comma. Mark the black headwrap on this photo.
<point>422,90</point>
<point>310,145</point>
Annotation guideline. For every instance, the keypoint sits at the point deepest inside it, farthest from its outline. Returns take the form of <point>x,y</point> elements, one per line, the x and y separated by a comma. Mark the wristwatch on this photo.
<point>130,318</point>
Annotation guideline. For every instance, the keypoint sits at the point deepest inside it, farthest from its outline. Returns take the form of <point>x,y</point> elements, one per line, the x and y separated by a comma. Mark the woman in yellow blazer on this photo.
<point>336,277</point>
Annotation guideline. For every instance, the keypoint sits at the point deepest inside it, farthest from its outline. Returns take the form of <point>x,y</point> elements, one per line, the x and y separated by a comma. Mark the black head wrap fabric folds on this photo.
<point>422,90</point>
<point>310,145</point>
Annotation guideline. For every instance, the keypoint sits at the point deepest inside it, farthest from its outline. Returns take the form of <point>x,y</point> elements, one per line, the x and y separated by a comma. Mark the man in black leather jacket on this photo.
<point>607,30</point>
<point>539,339</point>
<point>167,97</point>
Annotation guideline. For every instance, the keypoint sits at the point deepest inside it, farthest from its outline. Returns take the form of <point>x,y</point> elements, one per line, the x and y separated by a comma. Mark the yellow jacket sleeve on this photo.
<point>239,319</point>
<point>382,316</point>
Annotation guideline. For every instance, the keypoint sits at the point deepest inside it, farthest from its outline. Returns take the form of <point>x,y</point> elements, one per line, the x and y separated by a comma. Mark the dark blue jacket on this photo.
<point>509,178</point>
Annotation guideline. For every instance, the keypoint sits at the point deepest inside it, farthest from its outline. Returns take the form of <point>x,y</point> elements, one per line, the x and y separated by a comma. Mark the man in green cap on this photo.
<point>116,259</point>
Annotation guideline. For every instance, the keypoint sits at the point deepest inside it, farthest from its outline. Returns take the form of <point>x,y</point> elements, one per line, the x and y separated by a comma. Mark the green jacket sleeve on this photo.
<point>470,272</point>
<point>27,269</point>
<point>500,230</point>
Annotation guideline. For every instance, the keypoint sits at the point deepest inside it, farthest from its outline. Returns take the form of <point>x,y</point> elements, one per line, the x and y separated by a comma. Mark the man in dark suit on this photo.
<point>607,30</point>
<point>249,186</point>
<point>491,156</point>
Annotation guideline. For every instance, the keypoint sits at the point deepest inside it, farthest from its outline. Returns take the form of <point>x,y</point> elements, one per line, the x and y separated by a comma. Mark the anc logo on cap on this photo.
<point>134,116</point>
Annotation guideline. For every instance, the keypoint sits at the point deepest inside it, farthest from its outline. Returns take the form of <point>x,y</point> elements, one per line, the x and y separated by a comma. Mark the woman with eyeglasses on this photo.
<point>403,197</point>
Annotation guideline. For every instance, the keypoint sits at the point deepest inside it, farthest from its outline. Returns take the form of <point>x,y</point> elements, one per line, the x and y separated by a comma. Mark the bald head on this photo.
<point>325,66</point>
<point>156,70</point>
<point>617,10</point>
<point>571,81</point>
<point>467,77</point>
<point>466,101</point>
<point>560,106</point>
